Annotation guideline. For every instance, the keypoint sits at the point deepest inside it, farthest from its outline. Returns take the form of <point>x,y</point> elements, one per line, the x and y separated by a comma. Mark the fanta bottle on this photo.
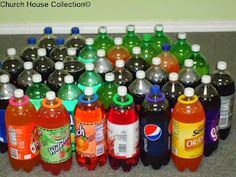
<point>89,53</point>
<point>131,39</point>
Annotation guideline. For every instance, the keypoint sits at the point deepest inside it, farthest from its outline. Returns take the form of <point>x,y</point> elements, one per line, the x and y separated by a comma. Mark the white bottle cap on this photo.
<point>89,66</point>
<point>68,79</point>
<point>50,95</point>
<point>102,29</point>
<point>42,52</point>
<point>221,65</point>
<point>71,51</point>
<point>118,41</point>
<point>159,27</point>
<point>173,76</point>
<point>89,41</point>
<point>59,65</point>
<point>188,63</point>
<point>120,63</point>
<point>101,53</point>
<point>140,74</point>
<point>109,77</point>
<point>188,92</point>
<point>88,91</point>
<point>195,48</point>
<point>130,28</point>
<point>4,78</point>
<point>18,93</point>
<point>28,65</point>
<point>182,35</point>
<point>206,79</point>
<point>37,78</point>
<point>11,51</point>
<point>136,50</point>
<point>156,61</point>
<point>122,90</point>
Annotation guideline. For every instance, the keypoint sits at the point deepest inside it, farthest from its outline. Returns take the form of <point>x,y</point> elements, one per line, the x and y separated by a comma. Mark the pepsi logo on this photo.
<point>152,132</point>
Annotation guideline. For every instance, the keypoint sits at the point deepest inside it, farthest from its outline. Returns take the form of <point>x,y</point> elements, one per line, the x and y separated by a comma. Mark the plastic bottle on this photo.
<point>59,53</point>
<point>181,48</point>
<point>225,86</point>
<point>123,131</point>
<point>4,72</point>
<point>43,65</point>
<point>48,40</point>
<point>75,40</point>
<point>22,134</point>
<point>155,74</point>
<point>37,91</point>
<point>136,62</point>
<point>69,94</point>
<point>13,64</point>
<point>89,53</point>
<point>200,62</point>
<point>131,39</point>
<point>54,135</point>
<point>155,115</point>
<point>103,40</point>
<point>210,100</point>
<point>90,126</point>
<point>6,91</point>
<point>90,78</point>
<point>24,80</point>
<point>122,75</point>
<point>30,52</point>
<point>118,52</point>
<point>188,76</point>
<point>188,120</point>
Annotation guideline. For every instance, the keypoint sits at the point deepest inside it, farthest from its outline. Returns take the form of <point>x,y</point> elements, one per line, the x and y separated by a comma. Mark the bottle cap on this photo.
<point>159,27</point>
<point>37,78</point>
<point>206,79</point>
<point>11,51</point>
<point>71,51</point>
<point>118,41</point>
<point>140,74</point>
<point>166,47</point>
<point>50,95</point>
<point>68,79</point>
<point>31,40</point>
<point>182,35</point>
<point>102,29</point>
<point>122,90</point>
<point>42,52</point>
<point>156,61</point>
<point>136,50</point>
<point>195,48</point>
<point>101,53</point>
<point>88,91</point>
<point>188,63</point>
<point>120,63</point>
<point>75,30</point>
<point>59,65</point>
<point>28,65</point>
<point>221,65</point>
<point>147,37</point>
<point>89,41</point>
<point>48,30</point>
<point>109,77</point>
<point>89,66</point>
<point>60,41</point>
<point>130,28</point>
<point>155,89</point>
<point>4,78</point>
<point>188,92</point>
<point>173,76</point>
<point>18,93</point>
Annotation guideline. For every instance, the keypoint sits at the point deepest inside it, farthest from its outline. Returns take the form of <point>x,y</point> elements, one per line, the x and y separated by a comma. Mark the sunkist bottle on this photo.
<point>59,53</point>
<point>225,86</point>
<point>89,53</point>
<point>155,115</point>
<point>6,91</point>
<point>210,100</point>
<point>22,134</point>
<point>54,135</point>
<point>123,131</point>
<point>30,52</point>
<point>37,91</point>
<point>90,126</point>
<point>188,120</point>
<point>69,94</point>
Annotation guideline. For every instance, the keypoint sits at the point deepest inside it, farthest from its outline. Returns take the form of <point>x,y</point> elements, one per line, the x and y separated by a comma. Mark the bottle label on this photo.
<point>55,144</point>
<point>123,140</point>
<point>37,103</point>
<point>3,134</point>
<point>226,111</point>
<point>188,139</point>
<point>23,141</point>
<point>90,138</point>
<point>212,127</point>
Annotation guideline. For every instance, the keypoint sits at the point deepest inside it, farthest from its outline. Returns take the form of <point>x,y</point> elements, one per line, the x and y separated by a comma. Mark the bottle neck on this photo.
<point>159,33</point>
<point>137,55</point>
<point>51,102</point>
<point>181,41</point>
<point>103,35</point>
<point>131,33</point>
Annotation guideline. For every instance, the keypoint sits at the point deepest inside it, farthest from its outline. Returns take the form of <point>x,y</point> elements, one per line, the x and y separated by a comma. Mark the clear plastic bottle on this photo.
<point>89,53</point>
<point>59,53</point>
<point>30,52</point>
<point>4,72</point>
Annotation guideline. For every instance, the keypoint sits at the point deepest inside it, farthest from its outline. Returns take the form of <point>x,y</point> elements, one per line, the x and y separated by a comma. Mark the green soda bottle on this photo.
<point>160,38</point>
<point>69,94</point>
<point>131,39</point>
<point>199,61</point>
<point>148,50</point>
<point>181,48</point>
<point>89,53</point>
<point>90,78</point>
<point>37,91</point>
<point>107,90</point>
<point>103,40</point>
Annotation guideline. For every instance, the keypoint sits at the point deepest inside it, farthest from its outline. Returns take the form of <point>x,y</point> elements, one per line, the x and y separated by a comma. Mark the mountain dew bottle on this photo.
<point>69,94</point>
<point>89,53</point>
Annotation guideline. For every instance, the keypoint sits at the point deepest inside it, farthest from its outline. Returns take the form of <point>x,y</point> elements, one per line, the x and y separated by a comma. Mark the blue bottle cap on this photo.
<point>166,47</point>
<point>75,30</point>
<point>60,41</point>
<point>48,30</point>
<point>155,89</point>
<point>31,40</point>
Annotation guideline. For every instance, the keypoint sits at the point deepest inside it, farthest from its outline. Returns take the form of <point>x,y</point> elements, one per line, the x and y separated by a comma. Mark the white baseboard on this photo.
<point>119,27</point>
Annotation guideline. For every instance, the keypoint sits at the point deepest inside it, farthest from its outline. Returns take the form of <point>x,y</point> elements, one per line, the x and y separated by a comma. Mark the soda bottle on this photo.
<point>210,100</point>
<point>118,52</point>
<point>123,131</point>
<point>22,134</point>
<point>4,72</point>
<point>155,115</point>
<point>48,40</point>
<point>122,75</point>
<point>199,61</point>
<point>148,50</point>
<point>136,62</point>
<point>72,65</point>
<point>89,53</point>
<point>6,91</point>
<point>225,86</point>
<point>69,94</point>
<point>103,40</point>
<point>37,91</point>
<point>90,78</point>
<point>188,120</point>
<point>54,135</point>
<point>155,74</point>
<point>102,64</point>
<point>188,76</point>
<point>75,40</point>
<point>181,48</point>
<point>43,65</point>
<point>90,126</point>
<point>30,52</point>
<point>107,90</point>
<point>131,39</point>
<point>168,61</point>
<point>56,79</point>
<point>24,80</point>
<point>59,53</point>
<point>160,37</point>
<point>13,64</point>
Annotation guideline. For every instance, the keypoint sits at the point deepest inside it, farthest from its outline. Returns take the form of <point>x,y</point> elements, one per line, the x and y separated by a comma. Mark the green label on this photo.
<point>95,87</point>
<point>37,103</point>
<point>55,144</point>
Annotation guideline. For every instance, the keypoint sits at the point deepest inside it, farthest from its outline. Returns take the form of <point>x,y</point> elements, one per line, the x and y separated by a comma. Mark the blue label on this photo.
<point>3,134</point>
